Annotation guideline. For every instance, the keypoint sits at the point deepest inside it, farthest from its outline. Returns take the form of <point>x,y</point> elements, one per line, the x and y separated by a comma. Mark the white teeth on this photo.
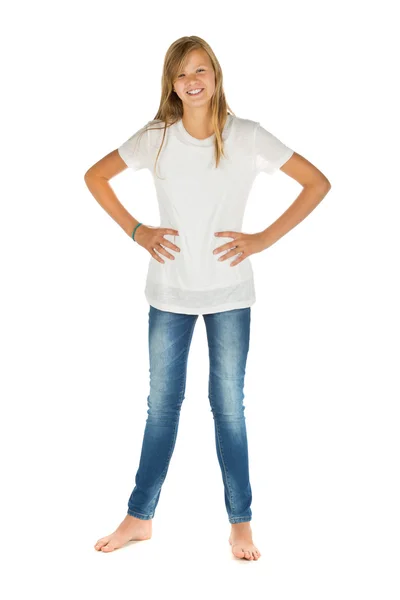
<point>193,92</point>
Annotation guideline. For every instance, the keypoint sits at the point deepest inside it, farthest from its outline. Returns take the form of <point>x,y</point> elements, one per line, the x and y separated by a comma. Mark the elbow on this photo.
<point>326,184</point>
<point>323,185</point>
<point>88,174</point>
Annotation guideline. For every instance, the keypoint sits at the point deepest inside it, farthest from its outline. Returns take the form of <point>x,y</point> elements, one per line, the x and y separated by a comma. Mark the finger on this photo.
<point>169,231</point>
<point>229,254</point>
<point>232,234</point>
<point>238,260</point>
<point>170,245</point>
<point>225,234</point>
<point>162,250</point>
<point>155,255</point>
<point>227,246</point>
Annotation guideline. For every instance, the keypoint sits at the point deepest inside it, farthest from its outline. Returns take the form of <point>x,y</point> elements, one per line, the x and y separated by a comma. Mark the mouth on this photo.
<point>195,93</point>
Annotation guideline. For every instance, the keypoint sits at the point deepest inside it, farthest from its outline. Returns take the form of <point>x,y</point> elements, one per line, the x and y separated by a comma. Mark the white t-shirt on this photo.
<point>198,199</point>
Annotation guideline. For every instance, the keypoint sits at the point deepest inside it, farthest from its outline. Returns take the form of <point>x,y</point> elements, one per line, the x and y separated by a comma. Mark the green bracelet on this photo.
<point>133,234</point>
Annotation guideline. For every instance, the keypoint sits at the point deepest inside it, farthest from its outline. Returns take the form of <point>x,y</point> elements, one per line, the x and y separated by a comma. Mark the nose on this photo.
<point>194,85</point>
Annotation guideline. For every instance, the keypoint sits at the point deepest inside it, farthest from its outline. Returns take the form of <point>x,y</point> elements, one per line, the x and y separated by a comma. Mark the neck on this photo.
<point>198,123</point>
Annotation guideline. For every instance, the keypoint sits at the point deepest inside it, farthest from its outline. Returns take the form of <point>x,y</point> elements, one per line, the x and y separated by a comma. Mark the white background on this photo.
<point>321,391</point>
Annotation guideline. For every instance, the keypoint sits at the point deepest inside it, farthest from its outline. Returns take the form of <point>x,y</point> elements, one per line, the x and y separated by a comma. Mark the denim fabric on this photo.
<point>170,335</point>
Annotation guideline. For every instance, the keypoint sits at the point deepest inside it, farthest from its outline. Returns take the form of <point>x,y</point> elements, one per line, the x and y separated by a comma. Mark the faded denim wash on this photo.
<point>170,336</point>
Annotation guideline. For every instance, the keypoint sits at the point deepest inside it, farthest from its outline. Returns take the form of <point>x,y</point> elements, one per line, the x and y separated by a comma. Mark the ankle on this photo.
<point>142,521</point>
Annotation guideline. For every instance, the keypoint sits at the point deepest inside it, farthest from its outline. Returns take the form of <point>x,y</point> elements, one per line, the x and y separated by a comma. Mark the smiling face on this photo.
<point>197,73</point>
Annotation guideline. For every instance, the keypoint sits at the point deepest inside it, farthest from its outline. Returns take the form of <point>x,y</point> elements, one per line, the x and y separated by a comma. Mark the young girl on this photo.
<point>204,161</point>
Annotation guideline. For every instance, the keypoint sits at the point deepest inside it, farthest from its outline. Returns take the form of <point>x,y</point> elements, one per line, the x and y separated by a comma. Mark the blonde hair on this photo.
<point>171,109</point>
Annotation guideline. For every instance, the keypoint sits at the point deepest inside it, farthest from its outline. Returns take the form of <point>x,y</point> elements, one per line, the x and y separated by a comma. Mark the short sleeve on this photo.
<point>270,152</point>
<point>135,151</point>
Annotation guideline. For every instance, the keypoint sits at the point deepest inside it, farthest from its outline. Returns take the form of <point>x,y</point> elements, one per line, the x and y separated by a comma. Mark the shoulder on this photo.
<point>245,126</point>
<point>250,126</point>
<point>154,131</point>
<point>243,130</point>
<point>242,134</point>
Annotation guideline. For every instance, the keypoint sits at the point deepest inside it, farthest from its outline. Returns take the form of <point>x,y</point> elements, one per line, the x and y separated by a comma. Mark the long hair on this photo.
<point>171,109</point>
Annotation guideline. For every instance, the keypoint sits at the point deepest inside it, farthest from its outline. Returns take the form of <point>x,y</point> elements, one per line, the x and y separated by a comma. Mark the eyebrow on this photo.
<point>201,65</point>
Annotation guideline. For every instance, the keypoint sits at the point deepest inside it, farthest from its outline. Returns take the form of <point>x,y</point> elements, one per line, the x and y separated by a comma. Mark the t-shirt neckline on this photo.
<point>209,141</point>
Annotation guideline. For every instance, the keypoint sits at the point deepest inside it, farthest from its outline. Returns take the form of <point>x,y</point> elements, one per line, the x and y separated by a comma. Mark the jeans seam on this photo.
<point>223,460</point>
<point>139,513</point>
<point>181,393</point>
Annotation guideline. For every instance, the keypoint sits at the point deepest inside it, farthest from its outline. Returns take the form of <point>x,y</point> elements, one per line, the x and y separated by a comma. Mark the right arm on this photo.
<point>97,180</point>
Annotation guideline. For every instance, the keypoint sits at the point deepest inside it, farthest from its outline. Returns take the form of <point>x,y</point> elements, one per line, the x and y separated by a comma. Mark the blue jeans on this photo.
<point>170,335</point>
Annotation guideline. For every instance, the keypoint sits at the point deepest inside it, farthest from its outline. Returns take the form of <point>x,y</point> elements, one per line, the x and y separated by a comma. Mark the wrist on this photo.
<point>135,229</point>
<point>265,237</point>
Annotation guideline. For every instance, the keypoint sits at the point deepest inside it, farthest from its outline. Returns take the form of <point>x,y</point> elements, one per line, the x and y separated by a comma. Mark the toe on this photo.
<point>101,543</point>
<point>238,551</point>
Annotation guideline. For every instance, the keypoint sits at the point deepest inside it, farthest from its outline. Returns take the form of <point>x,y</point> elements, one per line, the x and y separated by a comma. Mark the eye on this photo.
<point>200,69</point>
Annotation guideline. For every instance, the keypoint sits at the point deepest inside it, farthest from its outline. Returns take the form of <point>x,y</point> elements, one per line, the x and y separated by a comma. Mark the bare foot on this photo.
<point>129,530</point>
<point>241,540</point>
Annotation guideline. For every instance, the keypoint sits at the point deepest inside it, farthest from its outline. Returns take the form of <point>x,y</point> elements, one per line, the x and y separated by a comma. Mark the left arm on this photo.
<point>315,187</point>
